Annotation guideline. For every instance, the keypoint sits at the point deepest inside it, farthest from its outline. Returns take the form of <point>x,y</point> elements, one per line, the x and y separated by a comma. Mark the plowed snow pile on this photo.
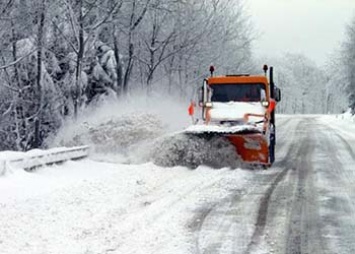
<point>116,135</point>
<point>192,151</point>
<point>139,130</point>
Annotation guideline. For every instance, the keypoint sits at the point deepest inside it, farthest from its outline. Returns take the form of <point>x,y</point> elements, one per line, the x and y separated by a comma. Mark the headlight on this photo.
<point>208,104</point>
<point>265,103</point>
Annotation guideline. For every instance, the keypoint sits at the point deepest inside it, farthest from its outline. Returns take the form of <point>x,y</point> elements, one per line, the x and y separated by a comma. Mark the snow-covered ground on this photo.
<point>110,203</point>
<point>97,207</point>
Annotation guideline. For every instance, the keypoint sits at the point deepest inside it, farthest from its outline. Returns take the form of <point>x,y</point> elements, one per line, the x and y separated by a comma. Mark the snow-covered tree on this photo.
<point>336,85</point>
<point>56,57</point>
<point>348,60</point>
<point>303,85</point>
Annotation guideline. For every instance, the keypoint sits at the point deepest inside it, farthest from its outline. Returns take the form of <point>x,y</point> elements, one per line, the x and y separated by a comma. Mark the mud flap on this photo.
<point>272,148</point>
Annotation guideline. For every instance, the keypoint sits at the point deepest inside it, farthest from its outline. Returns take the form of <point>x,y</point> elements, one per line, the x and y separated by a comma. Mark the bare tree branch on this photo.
<point>17,61</point>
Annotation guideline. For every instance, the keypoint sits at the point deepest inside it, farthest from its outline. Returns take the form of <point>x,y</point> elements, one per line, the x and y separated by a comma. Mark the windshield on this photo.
<point>237,92</point>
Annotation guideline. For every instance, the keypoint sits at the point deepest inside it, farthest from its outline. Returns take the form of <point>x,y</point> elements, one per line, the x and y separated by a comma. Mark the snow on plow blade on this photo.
<point>250,144</point>
<point>218,129</point>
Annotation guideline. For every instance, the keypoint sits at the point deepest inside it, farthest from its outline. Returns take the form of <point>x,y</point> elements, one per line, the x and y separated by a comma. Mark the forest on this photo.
<point>57,57</point>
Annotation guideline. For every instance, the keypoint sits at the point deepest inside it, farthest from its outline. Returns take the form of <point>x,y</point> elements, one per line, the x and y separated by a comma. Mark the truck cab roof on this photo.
<point>235,79</point>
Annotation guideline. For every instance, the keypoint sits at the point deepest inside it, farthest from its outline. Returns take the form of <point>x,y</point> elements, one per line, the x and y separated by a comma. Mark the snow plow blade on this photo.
<point>252,148</point>
<point>250,144</point>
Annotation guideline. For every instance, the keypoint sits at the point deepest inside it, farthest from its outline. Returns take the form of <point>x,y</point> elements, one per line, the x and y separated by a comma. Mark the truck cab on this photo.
<point>241,108</point>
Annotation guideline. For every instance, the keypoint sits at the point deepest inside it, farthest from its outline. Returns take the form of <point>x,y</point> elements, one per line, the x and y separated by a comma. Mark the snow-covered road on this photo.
<point>303,204</point>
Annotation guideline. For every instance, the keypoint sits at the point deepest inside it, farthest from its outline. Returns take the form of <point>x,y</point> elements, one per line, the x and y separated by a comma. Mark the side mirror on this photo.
<point>262,95</point>
<point>277,93</point>
<point>203,94</point>
<point>200,96</point>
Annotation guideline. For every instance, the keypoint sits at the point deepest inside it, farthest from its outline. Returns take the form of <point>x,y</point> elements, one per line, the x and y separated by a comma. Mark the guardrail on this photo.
<point>34,159</point>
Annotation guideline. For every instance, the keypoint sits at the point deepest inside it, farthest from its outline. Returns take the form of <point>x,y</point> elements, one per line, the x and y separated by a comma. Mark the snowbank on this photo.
<point>94,207</point>
<point>347,116</point>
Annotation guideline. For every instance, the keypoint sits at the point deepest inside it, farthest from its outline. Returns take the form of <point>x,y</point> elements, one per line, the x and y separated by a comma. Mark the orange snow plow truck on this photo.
<point>242,109</point>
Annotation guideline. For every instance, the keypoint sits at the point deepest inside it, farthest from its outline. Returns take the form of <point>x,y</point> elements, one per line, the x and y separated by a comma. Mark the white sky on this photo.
<point>311,27</point>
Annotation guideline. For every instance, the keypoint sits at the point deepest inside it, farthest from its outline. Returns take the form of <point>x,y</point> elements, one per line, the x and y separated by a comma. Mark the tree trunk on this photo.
<point>133,24</point>
<point>39,98</point>
<point>119,71</point>
<point>80,56</point>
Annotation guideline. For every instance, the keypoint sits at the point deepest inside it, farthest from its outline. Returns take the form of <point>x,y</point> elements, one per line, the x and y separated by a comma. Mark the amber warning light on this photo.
<point>265,68</point>
<point>211,69</point>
